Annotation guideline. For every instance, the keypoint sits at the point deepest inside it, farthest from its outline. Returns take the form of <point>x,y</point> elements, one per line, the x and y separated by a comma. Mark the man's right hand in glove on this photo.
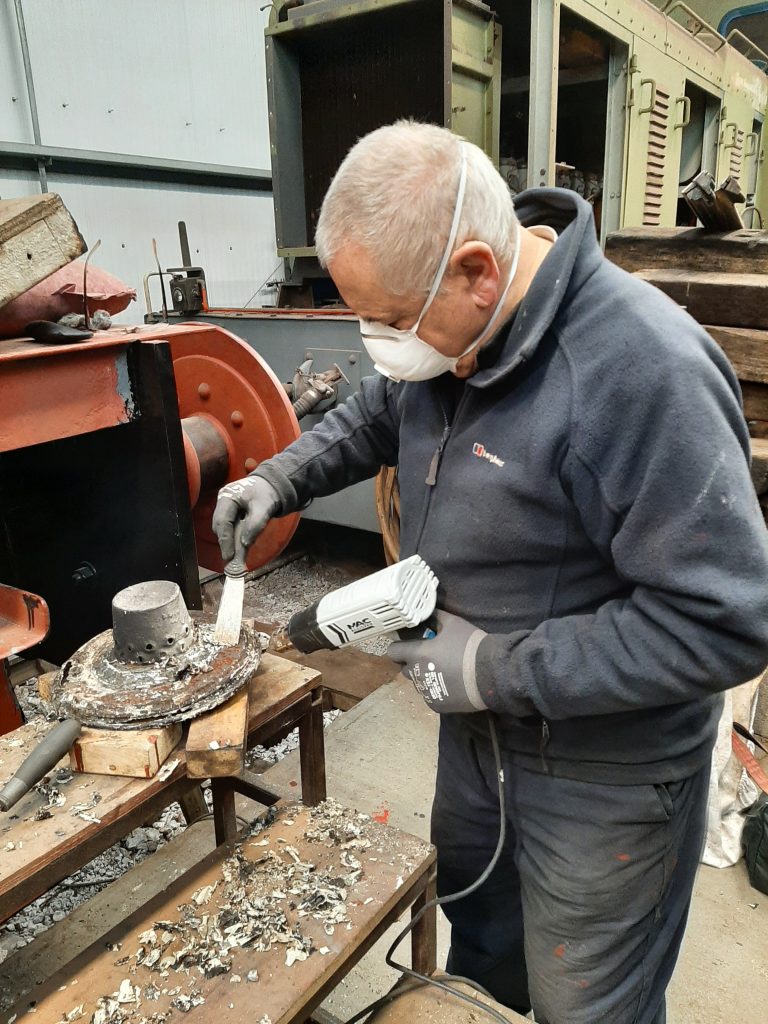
<point>251,499</point>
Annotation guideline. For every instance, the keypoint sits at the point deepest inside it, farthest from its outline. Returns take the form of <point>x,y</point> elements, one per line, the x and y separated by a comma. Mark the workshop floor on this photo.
<point>381,760</point>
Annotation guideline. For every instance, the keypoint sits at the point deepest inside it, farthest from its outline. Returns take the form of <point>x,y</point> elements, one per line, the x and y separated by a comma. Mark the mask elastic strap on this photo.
<point>451,239</point>
<point>500,303</point>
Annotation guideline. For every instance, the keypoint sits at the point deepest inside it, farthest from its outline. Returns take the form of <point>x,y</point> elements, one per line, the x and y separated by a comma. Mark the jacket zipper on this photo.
<point>544,742</point>
<point>434,462</point>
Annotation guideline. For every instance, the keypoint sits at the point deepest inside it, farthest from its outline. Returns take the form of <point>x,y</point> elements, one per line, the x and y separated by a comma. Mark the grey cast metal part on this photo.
<point>42,759</point>
<point>150,622</point>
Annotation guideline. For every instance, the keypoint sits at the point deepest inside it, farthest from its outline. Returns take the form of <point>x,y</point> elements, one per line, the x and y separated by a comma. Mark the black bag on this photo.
<point>755,842</point>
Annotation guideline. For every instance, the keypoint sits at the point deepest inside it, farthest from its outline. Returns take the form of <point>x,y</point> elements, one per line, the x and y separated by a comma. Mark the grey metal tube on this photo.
<point>36,766</point>
<point>30,89</point>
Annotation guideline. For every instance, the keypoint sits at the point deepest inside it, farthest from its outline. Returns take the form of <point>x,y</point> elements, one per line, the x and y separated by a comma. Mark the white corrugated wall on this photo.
<point>177,80</point>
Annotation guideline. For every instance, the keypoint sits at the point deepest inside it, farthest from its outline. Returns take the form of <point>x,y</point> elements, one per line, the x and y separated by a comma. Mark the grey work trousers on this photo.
<point>583,917</point>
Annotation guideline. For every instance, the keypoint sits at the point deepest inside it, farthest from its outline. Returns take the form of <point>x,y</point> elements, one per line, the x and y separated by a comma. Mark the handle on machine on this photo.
<point>686,101</point>
<point>652,104</point>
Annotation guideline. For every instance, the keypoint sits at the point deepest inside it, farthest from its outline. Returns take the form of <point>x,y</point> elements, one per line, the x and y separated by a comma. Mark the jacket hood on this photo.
<point>574,256</point>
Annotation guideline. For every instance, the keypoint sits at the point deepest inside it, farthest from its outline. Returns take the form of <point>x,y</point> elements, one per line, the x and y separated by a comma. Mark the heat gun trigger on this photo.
<point>426,630</point>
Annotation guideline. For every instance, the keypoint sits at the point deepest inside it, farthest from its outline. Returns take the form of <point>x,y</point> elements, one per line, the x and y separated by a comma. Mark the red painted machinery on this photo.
<point>111,455</point>
<point>24,622</point>
<point>235,413</point>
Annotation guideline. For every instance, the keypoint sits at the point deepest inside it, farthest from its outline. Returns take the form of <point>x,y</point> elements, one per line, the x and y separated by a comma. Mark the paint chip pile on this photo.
<point>246,908</point>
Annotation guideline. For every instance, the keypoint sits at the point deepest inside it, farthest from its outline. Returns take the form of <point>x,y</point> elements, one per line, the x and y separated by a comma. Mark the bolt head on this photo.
<point>237,419</point>
<point>250,465</point>
<point>204,391</point>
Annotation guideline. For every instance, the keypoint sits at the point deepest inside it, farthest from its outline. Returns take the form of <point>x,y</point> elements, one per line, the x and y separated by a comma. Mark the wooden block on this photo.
<point>138,753</point>
<point>44,685</point>
<point>37,237</point>
<point>746,348</point>
<point>216,742</point>
<point>646,248</point>
<point>727,300</point>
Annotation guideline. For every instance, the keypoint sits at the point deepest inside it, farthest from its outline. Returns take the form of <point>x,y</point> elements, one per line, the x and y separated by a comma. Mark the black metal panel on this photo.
<point>359,74</point>
<point>113,503</point>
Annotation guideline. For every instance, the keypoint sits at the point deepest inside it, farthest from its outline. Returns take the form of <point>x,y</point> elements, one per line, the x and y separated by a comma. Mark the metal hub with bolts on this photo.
<point>235,413</point>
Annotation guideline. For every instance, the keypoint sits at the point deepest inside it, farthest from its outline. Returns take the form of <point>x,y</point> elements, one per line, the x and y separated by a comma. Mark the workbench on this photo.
<point>390,872</point>
<point>36,851</point>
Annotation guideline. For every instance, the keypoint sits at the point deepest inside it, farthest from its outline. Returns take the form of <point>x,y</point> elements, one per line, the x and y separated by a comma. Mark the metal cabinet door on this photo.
<point>473,84</point>
<point>656,84</point>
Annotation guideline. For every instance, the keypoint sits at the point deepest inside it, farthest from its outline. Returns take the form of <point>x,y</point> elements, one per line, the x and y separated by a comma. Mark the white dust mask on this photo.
<point>401,354</point>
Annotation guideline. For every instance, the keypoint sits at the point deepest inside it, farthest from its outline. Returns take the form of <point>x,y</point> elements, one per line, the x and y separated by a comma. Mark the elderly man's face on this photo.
<point>458,314</point>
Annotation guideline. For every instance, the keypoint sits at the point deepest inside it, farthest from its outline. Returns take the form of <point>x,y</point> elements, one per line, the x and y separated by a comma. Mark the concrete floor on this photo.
<point>381,759</point>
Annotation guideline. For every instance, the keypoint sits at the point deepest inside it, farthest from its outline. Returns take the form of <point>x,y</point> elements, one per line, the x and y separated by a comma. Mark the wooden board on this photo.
<point>45,851</point>
<point>138,753</point>
<point>278,684</point>
<point>646,248</point>
<point>395,868</point>
<point>728,300</point>
<point>349,675</point>
<point>216,742</point>
<point>755,399</point>
<point>759,466</point>
<point>37,237</point>
<point>747,350</point>
<point>26,968</point>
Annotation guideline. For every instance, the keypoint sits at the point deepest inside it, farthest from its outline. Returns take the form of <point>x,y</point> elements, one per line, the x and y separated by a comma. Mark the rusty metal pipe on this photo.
<point>207,455</point>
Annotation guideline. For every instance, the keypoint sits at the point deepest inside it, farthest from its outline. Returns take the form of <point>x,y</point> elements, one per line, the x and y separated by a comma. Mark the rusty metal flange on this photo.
<point>99,690</point>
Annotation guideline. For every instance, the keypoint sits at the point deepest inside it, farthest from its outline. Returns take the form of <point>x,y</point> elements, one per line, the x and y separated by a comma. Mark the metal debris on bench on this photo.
<point>245,908</point>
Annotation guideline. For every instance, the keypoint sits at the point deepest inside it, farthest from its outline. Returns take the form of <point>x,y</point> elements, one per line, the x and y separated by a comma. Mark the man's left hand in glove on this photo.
<point>443,668</point>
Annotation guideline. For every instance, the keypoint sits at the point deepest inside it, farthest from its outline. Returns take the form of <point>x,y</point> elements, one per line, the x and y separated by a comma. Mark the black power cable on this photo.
<point>447,981</point>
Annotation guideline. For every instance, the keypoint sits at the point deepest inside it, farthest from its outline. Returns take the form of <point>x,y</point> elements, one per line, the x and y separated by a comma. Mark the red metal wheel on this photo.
<point>237,415</point>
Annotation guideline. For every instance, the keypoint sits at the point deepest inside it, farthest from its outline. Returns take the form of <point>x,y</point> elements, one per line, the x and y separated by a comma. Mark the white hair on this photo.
<point>394,195</point>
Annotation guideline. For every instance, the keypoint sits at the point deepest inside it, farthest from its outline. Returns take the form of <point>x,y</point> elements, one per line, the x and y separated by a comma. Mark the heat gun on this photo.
<point>398,597</point>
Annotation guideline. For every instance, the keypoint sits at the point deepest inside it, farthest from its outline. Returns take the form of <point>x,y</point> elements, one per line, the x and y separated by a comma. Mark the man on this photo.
<point>573,465</point>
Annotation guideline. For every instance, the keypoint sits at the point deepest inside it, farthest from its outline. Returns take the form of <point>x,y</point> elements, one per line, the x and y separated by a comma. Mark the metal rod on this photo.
<point>30,89</point>
<point>162,282</point>
<point>85,284</point>
<point>122,165</point>
<point>186,258</point>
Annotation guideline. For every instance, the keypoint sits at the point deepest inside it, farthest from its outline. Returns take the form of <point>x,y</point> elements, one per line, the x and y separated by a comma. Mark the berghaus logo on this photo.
<point>482,453</point>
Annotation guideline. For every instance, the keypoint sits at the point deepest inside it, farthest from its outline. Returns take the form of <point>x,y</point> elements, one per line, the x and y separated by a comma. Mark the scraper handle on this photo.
<point>237,566</point>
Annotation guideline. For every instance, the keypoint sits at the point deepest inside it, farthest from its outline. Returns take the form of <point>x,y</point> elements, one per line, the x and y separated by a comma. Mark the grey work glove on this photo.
<point>443,668</point>
<point>251,499</point>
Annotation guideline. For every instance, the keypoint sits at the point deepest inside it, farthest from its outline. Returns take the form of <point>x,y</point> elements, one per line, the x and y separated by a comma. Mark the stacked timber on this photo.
<point>722,280</point>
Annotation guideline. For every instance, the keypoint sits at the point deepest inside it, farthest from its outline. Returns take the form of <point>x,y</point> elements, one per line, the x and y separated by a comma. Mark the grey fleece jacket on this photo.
<point>585,500</point>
